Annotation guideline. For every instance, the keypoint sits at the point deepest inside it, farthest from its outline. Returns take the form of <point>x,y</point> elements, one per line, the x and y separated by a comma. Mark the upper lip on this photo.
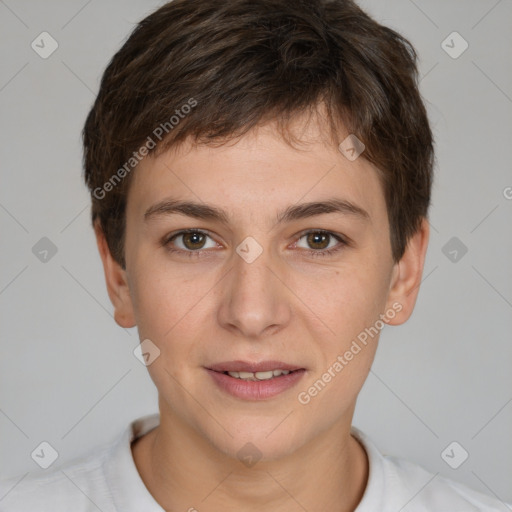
<point>244,366</point>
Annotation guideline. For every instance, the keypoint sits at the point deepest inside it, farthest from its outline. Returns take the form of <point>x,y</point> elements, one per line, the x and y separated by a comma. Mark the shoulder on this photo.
<point>426,491</point>
<point>398,484</point>
<point>78,485</point>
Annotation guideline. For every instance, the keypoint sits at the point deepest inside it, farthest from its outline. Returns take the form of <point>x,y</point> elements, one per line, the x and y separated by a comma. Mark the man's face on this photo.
<point>281,297</point>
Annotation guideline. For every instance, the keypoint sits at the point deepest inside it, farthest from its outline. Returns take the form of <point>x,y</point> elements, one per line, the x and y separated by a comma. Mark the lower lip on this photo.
<point>256,390</point>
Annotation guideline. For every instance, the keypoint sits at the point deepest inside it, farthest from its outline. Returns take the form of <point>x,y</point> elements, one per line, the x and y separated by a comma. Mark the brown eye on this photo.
<point>321,243</point>
<point>194,240</point>
<point>190,241</point>
<point>318,240</point>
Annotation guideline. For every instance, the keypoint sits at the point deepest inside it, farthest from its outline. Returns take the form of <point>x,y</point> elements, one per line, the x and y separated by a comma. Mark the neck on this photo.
<point>183,471</point>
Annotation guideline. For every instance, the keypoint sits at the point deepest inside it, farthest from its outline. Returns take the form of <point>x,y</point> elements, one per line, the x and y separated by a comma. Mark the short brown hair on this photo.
<point>241,63</point>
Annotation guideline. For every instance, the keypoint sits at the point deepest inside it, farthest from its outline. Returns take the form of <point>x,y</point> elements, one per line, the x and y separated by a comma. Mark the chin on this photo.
<point>267,439</point>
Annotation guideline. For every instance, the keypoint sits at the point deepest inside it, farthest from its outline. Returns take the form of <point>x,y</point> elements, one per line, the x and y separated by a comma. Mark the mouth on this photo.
<point>263,370</point>
<point>255,381</point>
<point>256,376</point>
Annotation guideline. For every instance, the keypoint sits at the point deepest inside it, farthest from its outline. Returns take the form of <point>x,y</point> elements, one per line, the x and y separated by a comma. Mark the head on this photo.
<point>240,107</point>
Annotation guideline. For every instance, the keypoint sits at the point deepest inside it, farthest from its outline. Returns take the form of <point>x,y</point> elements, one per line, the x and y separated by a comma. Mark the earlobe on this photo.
<point>407,275</point>
<point>116,281</point>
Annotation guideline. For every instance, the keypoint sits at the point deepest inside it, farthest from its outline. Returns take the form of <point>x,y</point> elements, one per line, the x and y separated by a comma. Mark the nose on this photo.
<point>254,302</point>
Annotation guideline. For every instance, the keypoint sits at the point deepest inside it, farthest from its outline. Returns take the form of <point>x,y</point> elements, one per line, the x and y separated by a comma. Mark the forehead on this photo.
<point>257,175</point>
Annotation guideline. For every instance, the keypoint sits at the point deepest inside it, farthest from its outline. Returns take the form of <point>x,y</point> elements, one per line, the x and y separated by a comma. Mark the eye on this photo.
<point>190,240</point>
<point>321,243</point>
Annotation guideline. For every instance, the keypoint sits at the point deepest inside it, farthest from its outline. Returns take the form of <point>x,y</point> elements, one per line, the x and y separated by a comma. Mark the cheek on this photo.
<point>348,304</point>
<point>166,298</point>
<point>169,309</point>
<point>348,299</point>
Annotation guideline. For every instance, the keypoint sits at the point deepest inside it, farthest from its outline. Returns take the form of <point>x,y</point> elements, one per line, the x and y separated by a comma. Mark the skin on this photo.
<point>286,305</point>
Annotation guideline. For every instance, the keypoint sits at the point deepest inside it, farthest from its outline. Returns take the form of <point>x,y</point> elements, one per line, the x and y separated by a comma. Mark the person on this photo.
<point>260,174</point>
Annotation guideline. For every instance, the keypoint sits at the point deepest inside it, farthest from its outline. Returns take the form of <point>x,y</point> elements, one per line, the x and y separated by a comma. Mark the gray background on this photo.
<point>68,375</point>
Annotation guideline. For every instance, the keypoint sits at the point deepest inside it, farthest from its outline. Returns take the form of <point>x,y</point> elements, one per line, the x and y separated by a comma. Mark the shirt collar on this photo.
<point>128,490</point>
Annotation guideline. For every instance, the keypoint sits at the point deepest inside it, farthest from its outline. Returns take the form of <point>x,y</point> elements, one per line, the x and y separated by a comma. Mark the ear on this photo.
<point>406,277</point>
<point>117,284</point>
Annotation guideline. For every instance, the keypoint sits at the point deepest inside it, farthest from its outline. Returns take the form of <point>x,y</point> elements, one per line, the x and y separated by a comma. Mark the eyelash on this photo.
<point>315,253</point>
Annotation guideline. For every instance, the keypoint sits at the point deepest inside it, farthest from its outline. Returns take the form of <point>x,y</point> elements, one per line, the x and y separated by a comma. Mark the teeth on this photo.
<point>258,375</point>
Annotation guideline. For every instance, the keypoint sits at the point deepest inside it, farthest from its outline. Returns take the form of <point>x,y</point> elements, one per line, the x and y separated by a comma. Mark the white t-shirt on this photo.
<point>107,480</point>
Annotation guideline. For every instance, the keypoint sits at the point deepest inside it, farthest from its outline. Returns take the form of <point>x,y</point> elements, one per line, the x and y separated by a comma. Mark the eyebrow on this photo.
<point>291,213</point>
